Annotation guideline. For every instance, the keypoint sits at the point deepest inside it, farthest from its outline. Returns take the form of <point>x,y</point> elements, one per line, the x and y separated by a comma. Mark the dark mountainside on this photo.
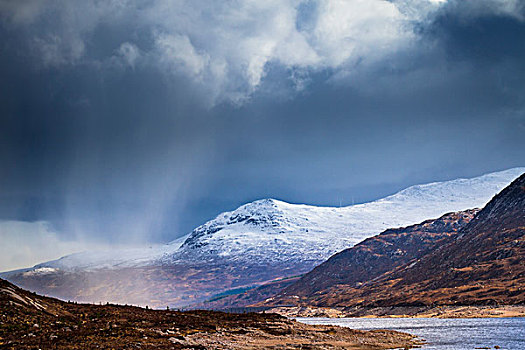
<point>30,321</point>
<point>365,261</point>
<point>480,265</point>
<point>381,253</point>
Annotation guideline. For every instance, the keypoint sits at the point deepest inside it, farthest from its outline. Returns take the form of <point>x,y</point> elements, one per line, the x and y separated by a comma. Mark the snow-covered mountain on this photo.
<point>273,231</point>
<point>270,230</point>
<point>254,244</point>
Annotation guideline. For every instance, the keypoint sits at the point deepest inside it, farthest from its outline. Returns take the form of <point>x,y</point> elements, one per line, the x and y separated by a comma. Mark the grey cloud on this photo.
<point>224,48</point>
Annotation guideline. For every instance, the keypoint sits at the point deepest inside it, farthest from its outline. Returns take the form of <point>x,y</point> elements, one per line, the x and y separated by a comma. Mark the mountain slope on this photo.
<point>482,264</point>
<point>374,257</point>
<point>257,243</point>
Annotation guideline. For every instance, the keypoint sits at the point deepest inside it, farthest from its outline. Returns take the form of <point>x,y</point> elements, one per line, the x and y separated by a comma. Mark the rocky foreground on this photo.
<point>29,321</point>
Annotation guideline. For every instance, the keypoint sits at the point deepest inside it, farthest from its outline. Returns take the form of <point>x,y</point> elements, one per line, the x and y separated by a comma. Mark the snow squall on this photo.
<point>273,231</point>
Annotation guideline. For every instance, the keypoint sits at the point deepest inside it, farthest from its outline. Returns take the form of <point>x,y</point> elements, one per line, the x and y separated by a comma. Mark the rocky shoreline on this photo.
<point>467,311</point>
<point>289,334</point>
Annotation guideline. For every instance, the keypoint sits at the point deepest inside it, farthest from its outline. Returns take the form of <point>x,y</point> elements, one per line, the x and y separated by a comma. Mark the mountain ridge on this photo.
<point>481,265</point>
<point>257,243</point>
<point>304,226</point>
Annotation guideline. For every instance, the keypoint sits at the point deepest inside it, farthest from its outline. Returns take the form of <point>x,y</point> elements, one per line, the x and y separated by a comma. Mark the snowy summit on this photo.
<point>271,231</point>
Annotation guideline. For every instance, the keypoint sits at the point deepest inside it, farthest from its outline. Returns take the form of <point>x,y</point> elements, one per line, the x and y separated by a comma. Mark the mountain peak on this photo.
<point>269,230</point>
<point>260,206</point>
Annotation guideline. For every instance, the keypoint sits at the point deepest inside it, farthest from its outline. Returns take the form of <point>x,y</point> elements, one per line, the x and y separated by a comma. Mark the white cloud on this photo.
<point>178,53</point>
<point>129,53</point>
<point>227,46</point>
<point>360,29</point>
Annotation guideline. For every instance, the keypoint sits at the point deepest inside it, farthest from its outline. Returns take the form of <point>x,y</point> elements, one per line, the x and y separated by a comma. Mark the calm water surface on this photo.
<point>444,334</point>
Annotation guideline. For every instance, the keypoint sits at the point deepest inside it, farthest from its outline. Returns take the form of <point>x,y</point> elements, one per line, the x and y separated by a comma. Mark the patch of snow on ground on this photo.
<point>41,271</point>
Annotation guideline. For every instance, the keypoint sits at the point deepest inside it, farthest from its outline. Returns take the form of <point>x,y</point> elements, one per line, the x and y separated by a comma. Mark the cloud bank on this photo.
<point>225,47</point>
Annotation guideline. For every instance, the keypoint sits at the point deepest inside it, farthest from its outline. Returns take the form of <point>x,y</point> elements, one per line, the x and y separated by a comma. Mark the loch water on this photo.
<point>444,334</point>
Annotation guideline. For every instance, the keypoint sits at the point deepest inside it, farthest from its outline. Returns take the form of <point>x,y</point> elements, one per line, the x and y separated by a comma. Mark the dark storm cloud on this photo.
<point>120,124</point>
<point>83,144</point>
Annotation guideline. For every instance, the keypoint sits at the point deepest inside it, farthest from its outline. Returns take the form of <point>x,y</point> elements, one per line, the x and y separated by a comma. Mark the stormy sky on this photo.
<point>130,122</point>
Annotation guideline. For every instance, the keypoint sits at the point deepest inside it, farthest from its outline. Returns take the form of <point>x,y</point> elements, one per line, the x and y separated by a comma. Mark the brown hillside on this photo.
<point>482,264</point>
<point>379,254</point>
